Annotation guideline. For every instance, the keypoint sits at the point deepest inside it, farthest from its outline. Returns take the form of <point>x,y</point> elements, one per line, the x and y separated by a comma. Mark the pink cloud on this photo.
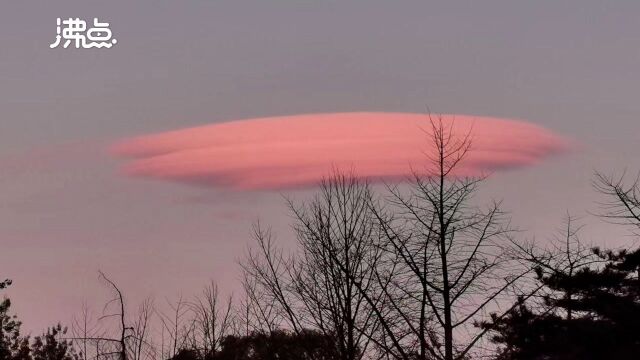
<point>291,151</point>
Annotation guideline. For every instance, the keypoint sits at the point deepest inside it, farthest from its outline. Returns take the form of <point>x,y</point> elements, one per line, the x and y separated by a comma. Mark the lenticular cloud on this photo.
<point>292,151</point>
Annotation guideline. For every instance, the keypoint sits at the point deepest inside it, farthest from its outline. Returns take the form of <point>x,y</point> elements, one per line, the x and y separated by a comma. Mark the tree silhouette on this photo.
<point>50,346</point>
<point>441,260</point>
<point>317,285</point>
<point>598,321</point>
<point>4,283</point>
<point>303,345</point>
<point>115,334</point>
<point>410,273</point>
<point>591,301</point>
<point>15,346</point>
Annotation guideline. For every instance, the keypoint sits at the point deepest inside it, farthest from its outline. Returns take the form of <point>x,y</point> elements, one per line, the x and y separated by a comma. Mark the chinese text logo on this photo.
<point>75,31</point>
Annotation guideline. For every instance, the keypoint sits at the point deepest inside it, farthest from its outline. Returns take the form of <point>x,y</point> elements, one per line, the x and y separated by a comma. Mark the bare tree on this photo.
<point>140,345</point>
<point>315,286</point>
<point>84,329</point>
<point>444,265</point>
<point>178,327</point>
<point>411,274</point>
<point>257,313</point>
<point>337,232</point>
<point>212,321</point>
<point>623,200</point>
<point>120,314</point>
<point>621,207</point>
<point>111,335</point>
<point>267,284</point>
<point>562,258</point>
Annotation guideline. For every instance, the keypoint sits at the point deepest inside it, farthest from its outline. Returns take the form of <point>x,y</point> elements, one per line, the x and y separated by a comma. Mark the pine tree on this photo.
<point>599,320</point>
<point>15,346</point>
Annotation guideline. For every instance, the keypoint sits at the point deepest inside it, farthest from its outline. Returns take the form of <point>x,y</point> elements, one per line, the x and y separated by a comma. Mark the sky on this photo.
<point>97,171</point>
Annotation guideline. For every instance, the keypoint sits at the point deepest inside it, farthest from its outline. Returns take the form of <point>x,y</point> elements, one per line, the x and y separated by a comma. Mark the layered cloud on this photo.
<point>292,151</point>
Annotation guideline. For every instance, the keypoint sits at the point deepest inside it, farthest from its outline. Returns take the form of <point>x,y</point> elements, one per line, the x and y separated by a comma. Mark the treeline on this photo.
<point>419,271</point>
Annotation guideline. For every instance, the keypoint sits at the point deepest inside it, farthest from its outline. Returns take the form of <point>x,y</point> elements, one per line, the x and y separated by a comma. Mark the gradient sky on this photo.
<point>66,210</point>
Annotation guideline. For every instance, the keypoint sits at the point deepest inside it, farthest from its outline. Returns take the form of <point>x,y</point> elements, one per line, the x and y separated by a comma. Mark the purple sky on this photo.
<point>66,211</point>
